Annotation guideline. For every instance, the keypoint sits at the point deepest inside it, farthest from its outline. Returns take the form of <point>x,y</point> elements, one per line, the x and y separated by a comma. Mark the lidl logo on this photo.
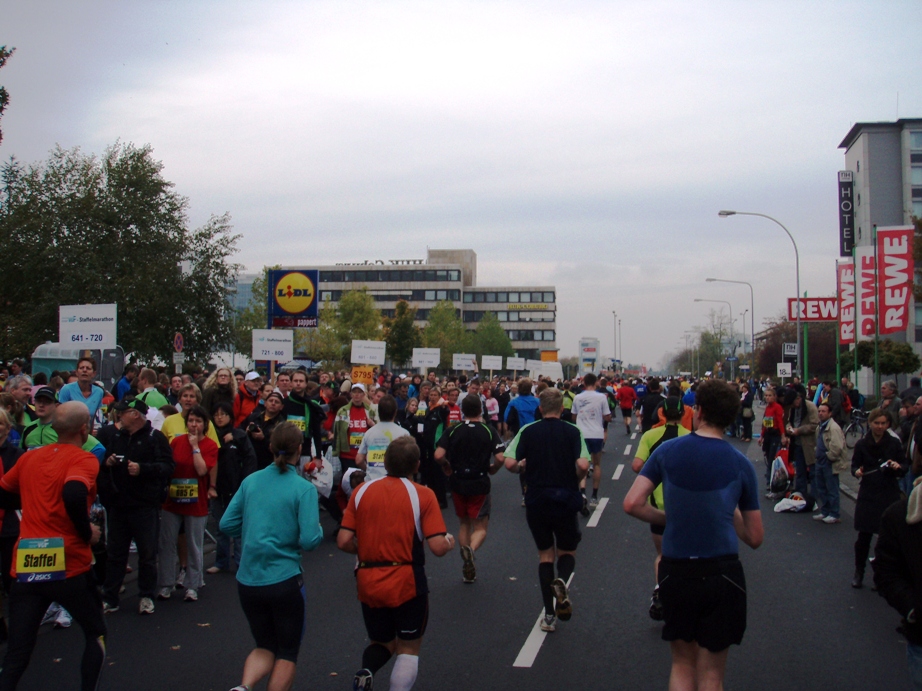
<point>294,293</point>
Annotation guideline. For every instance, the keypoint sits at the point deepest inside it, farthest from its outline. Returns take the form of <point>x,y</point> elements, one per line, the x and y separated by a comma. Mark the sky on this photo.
<point>585,145</point>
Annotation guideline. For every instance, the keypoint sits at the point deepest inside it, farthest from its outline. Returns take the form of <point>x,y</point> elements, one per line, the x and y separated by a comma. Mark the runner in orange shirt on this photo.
<point>385,524</point>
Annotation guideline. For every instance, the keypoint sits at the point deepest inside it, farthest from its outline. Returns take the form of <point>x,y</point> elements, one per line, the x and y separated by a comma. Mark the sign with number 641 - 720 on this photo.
<point>273,344</point>
<point>87,326</point>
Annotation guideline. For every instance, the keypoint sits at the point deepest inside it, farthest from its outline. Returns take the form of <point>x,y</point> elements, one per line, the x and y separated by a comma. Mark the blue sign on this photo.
<point>293,298</point>
<point>732,358</point>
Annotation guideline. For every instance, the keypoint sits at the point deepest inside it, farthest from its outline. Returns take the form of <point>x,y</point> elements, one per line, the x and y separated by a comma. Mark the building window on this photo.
<point>478,297</point>
<point>491,297</point>
<point>454,295</point>
<point>549,297</point>
<point>441,295</point>
<point>468,297</point>
<point>430,295</point>
<point>454,275</point>
<point>548,335</point>
<point>513,297</point>
<point>502,297</point>
<point>326,296</point>
<point>917,175</point>
<point>502,316</point>
<point>441,275</point>
<point>513,316</point>
<point>915,140</point>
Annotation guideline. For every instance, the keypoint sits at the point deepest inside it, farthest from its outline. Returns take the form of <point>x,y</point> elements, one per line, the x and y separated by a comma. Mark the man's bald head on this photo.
<point>71,422</point>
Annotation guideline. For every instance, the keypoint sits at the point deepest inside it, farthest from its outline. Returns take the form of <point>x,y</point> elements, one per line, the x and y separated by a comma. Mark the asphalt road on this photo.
<point>808,629</point>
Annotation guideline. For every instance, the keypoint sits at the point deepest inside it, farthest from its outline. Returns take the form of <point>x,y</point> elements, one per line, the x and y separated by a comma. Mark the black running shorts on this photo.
<point>276,616</point>
<point>548,529</point>
<point>406,622</point>
<point>704,600</point>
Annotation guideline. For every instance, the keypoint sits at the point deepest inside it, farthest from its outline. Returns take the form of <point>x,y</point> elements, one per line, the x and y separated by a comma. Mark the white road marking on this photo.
<point>627,450</point>
<point>529,651</point>
<point>618,471</point>
<point>597,514</point>
<point>634,435</point>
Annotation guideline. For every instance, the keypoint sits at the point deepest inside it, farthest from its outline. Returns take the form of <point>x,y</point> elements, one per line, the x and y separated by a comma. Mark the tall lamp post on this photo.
<point>614,345</point>
<point>620,351</point>
<point>725,214</point>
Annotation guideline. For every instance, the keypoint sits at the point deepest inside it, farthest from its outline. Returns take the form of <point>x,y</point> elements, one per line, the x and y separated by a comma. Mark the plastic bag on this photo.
<point>320,476</point>
<point>781,476</point>
<point>795,503</point>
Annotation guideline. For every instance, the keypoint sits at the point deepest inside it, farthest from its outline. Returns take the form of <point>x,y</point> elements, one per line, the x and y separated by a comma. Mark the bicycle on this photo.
<point>856,428</point>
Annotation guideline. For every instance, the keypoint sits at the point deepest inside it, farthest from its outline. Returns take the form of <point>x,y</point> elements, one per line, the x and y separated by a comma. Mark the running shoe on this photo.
<point>191,595</point>
<point>831,519</point>
<point>563,608</point>
<point>818,517</point>
<point>656,607</point>
<point>363,680</point>
<point>109,609</point>
<point>51,613</point>
<point>63,620</point>
<point>468,571</point>
<point>181,578</point>
<point>241,687</point>
<point>164,593</point>
<point>146,606</point>
<point>549,623</point>
<point>594,503</point>
<point>585,510</point>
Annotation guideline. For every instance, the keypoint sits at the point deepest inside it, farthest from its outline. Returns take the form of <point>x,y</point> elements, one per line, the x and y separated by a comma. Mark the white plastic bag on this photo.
<point>780,476</point>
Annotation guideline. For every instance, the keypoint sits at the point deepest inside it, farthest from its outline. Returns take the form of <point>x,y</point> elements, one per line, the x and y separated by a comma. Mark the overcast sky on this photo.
<point>587,145</point>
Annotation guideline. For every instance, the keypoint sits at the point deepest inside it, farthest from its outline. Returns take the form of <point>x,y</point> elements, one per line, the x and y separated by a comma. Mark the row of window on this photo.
<point>530,335</point>
<point>915,159</point>
<point>389,275</point>
<point>509,297</point>
<point>476,316</point>
<point>409,296</point>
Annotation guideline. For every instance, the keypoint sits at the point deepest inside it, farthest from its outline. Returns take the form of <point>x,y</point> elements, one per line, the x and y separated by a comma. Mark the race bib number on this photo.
<point>298,421</point>
<point>376,456</point>
<point>420,427</point>
<point>39,560</point>
<point>355,439</point>
<point>768,422</point>
<point>184,490</point>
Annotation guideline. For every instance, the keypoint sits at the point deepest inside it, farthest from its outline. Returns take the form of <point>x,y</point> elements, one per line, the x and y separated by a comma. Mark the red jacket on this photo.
<point>244,404</point>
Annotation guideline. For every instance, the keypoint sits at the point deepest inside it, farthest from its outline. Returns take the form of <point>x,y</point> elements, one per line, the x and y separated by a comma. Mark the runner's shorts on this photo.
<point>595,445</point>
<point>276,615</point>
<point>474,506</point>
<point>548,529</point>
<point>406,622</point>
<point>704,600</point>
<point>626,412</point>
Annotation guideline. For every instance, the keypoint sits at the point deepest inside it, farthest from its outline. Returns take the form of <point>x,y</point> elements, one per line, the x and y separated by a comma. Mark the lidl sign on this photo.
<point>293,298</point>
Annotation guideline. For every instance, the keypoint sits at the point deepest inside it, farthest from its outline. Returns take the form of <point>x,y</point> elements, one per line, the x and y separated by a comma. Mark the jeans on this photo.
<point>914,657</point>
<point>906,483</point>
<point>803,474</point>
<point>826,485</point>
<point>770,445</point>
<point>141,524</point>
<point>216,508</point>
<point>195,538</point>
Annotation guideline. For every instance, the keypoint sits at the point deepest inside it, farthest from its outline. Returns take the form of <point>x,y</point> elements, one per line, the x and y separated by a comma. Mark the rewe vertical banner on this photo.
<point>845,281</point>
<point>866,290</point>
<point>894,277</point>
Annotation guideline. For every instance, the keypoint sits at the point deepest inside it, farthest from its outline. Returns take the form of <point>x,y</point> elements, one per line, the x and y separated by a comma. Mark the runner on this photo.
<point>627,399</point>
<point>590,411</point>
<point>469,453</point>
<point>649,442</point>
<point>385,524</point>
<point>275,513</point>
<point>370,456</point>
<point>772,437</point>
<point>55,486</point>
<point>557,459</point>
<point>713,498</point>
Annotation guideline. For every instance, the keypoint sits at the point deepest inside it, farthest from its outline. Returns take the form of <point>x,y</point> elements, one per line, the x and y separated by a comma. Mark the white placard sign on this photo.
<point>533,364</point>
<point>273,344</point>
<point>790,350</point>
<point>426,357</point>
<point>464,361</point>
<point>785,369</point>
<point>490,362</point>
<point>368,352</point>
<point>88,326</point>
<point>515,363</point>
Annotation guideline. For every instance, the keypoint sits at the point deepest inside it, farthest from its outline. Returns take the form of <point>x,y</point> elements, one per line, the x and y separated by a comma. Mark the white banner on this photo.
<point>273,344</point>
<point>491,362</point>
<point>426,357</point>
<point>785,369</point>
<point>515,363</point>
<point>533,365</point>
<point>463,361</point>
<point>368,352</point>
<point>88,326</point>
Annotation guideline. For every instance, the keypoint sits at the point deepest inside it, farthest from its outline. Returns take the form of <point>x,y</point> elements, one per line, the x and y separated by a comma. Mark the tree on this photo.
<point>489,338</point>
<point>77,229</point>
<point>322,344</point>
<point>445,331</point>
<point>355,317</point>
<point>821,342</point>
<point>892,357</point>
<point>254,315</point>
<point>401,333</point>
<point>5,55</point>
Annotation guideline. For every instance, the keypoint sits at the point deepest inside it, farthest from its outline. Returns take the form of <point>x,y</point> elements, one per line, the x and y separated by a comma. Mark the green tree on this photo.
<point>4,94</point>
<point>254,315</point>
<point>401,333</point>
<point>77,229</point>
<point>893,357</point>
<point>322,344</point>
<point>445,331</point>
<point>489,338</point>
<point>357,318</point>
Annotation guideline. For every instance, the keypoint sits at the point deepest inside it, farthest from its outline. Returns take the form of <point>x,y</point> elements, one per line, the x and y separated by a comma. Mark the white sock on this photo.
<point>403,675</point>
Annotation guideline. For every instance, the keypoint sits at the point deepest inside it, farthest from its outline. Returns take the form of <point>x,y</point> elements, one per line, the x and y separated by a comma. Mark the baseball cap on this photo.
<point>251,376</point>
<point>46,392</point>
<point>358,386</point>
<point>132,403</point>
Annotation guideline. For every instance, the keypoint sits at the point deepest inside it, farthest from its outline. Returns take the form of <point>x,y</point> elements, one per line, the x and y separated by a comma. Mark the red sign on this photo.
<point>894,277</point>
<point>845,281</point>
<point>814,309</point>
<point>294,322</point>
<point>866,286</point>
<point>177,342</point>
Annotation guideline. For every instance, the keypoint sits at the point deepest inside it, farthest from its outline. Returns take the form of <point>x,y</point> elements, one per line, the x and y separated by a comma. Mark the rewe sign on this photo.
<point>894,277</point>
<point>814,309</point>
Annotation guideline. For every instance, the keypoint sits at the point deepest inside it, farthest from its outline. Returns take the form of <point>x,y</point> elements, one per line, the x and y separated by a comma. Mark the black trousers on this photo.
<point>143,526</point>
<point>28,602</point>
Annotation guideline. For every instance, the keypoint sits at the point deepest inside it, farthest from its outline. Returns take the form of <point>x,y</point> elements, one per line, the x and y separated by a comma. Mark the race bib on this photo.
<point>376,456</point>
<point>184,490</point>
<point>298,421</point>
<point>355,439</point>
<point>768,422</point>
<point>39,560</point>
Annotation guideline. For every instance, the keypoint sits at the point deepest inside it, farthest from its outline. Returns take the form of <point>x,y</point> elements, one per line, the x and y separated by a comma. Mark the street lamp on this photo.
<point>615,344</point>
<point>620,333</point>
<point>743,322</point>
<point>725,214</point>
<point>752,307</point>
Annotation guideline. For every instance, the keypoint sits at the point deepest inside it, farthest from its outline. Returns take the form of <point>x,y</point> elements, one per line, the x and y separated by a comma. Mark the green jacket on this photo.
<point>341,426</point>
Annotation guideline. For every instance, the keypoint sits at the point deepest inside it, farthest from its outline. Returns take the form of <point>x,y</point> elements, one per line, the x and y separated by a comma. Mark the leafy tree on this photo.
<point>489,338</point>
<point>357,318</point>
<point>821,351</point>
<point>893,357</point>
<point>4,94</point>
<point>77,229</point>
<point>254,315</point>
<point>322,344</point>
<point>401,333</point>
<point>445,331</point>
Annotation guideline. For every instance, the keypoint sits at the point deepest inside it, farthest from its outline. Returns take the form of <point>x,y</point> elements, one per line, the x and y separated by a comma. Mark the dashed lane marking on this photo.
<point>627,450</point>
<point>618,471</point>
<point>529,651</point>
<point>597,514</point>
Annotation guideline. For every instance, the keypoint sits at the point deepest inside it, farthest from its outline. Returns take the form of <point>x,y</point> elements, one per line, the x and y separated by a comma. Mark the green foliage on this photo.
<point>77,229</point>
<point>401,333</point>
<point>4,94</point>
<point>355,317</point>
<point>490,338</point>
<point>254,315</point>
<point>446,331</point>
<point>893,357</point>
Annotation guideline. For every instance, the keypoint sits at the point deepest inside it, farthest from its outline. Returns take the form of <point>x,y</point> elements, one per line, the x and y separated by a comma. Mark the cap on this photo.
<point>132,403</point>
<point>358,386</point>
<point>251,376</point>
<point>46,392</point>
<point>276,394</point>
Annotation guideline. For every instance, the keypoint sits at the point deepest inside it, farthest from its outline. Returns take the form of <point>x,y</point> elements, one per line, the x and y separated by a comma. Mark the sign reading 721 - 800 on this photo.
<point>273,344</point>
<point>293,298</point>
<point>87,326</point>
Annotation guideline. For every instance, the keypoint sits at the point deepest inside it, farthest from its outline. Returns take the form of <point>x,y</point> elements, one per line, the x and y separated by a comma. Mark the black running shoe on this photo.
<point>585,510</point>
<point>468,571</point>
<point>656,607</point>
<point>563,608</point>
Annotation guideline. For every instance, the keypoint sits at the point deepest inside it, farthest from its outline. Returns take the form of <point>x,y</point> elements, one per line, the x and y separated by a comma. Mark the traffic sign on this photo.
<point>790,350</point>
<point>177,342</point>
<point>178,358</point>
<point>784,369</point>
<point>733,358</point>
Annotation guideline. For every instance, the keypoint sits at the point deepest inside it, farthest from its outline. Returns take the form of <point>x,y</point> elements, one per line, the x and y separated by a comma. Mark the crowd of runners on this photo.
<point>91,475</point>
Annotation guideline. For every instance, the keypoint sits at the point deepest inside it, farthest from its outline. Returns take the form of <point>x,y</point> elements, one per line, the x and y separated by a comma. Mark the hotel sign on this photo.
<point>846,213</point>
<point>527,306</point>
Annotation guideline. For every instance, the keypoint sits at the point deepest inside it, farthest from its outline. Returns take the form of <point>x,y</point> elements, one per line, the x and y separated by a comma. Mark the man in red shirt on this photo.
<point>55,485</point>
<point>385,524</point>
<point>772,437</point>
<point>627,398</point>
<point>350,425</point>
